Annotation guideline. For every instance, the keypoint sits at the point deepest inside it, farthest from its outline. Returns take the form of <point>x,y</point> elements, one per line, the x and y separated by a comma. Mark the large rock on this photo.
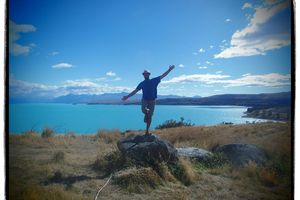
<point>241,154</point>
<point>194,153</point>
<point>147,149</point>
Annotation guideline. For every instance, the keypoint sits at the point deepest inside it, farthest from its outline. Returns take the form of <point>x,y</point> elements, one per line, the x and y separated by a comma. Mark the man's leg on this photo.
<point>149,120</point>
<point>150,106</point>
<point>145,110</point>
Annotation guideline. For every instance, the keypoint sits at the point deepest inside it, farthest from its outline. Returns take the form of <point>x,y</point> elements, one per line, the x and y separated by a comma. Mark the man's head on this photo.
<point>146,74</point>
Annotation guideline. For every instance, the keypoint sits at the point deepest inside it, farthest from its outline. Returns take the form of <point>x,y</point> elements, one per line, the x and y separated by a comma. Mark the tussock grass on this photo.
<point>58,156</point>
<point>38,192</point>
<point>31,163</point>
<point>183,171</point>
<point>138,180</point>
<point>272,137</point>
<point>108,136</point>
<point>163,171</point>
<point>47,133</point>
<point>110,162</point>
<point>268,177</point>
<point>28,138</point>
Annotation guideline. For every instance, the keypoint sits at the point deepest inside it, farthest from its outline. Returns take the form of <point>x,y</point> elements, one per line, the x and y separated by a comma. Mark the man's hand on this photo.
<point>125,98</point>
<point>171,67</point>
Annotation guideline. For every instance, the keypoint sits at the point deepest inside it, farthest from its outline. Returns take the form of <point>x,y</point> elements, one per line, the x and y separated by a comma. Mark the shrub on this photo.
<point>163,171</point>
<point>30,134</point>
<point>268,177</point>
<point>70,134</point>
<point>173,123</point>
<point>183,171</point>
<point>47,132</point>
<point>59,156</point>
<point>110,162</point>
<point>138,180</point>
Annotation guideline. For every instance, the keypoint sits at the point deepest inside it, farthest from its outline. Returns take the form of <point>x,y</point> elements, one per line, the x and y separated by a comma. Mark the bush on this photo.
<point>217,160</point>
<point>183,171</point>
<point>163,171</point>
<point>58,156</point>
<point>110,162</point>
<point>71,135</point>
<point>138,180</point>
<point>173,123</point>
<point>47,132</point>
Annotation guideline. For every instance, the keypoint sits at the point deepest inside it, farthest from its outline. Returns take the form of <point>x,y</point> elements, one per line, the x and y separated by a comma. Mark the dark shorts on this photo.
<point>148,105</point>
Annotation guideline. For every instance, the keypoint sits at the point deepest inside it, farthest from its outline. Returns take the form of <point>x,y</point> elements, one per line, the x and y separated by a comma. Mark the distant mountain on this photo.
<point>264,100</point>
<point>109,98</point>
<point>258,100</point>
<point>26,99</point>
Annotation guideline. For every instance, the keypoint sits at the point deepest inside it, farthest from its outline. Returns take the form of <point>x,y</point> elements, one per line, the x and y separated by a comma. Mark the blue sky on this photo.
<point>60,47</point>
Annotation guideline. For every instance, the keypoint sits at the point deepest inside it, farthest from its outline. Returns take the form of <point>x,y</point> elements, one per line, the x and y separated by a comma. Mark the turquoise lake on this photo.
<point>87,119</point>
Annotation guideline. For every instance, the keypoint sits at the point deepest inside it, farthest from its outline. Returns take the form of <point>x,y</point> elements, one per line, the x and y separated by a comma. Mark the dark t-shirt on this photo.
<point>149,88</point>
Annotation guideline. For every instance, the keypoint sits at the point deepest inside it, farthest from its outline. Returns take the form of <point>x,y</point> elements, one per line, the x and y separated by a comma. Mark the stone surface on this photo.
<point>241,154</point>
<point>147,149</point>
<point>194,153</point>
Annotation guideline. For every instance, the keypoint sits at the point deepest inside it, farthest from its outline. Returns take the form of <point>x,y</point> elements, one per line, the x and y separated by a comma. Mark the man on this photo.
<point>149,88</point>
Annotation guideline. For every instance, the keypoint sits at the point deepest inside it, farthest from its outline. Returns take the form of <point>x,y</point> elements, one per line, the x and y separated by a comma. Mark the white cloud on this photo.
<point>223,41</point>
<point>247,5</point>
<point>198,63</point>
<point>62,65</point>
<point>201,50</point>
<point>117,79</point>
<point>264,80</point>
<point>219,72</point>
<point>86,86</point>
<point>248,74</point>
<point>20,88</point>
<point>203,67</point>
<point>54,53</point>
<point>110,73</point>
<point>228,20</point>
<point>101,79</point>
<point>209,63</point>
<point>195,53</point>
<point>271,2</point>
<point>181,65</point>
<point>211,46</point>
<point>14,35</point>
<point>195,78</point>
<point>256,38</point>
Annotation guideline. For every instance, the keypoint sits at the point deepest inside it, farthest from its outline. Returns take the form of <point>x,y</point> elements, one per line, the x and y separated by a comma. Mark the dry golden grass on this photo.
<point>31,166</point>
<point>188,175</point>
<point>108,136</point>
<point>273,137</point>
<point>138,180</point>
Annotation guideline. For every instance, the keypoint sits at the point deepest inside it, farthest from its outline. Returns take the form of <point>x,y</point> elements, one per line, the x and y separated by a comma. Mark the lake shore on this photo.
<point>62,166</point>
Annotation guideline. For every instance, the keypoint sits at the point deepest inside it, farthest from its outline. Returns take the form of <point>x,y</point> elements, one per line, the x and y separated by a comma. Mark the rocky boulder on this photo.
<point>147,149</point>
<point>194,153</point>
<point>241,154</point>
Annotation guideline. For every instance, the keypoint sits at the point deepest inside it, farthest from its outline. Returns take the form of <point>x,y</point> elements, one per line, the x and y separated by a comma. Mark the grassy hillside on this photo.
<point>75,167</point>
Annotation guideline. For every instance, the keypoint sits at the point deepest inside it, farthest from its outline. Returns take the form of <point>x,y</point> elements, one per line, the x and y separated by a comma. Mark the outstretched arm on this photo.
<point>171,67</point>
<point>131,94</point>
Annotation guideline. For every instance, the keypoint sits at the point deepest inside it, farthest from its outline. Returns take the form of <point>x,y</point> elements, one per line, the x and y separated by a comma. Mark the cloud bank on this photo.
<point>15,31</point>
<point>264,32</point>
<point>263,80</point>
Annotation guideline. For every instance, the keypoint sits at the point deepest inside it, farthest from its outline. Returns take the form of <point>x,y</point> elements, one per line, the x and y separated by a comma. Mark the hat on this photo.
<point>146,71</point>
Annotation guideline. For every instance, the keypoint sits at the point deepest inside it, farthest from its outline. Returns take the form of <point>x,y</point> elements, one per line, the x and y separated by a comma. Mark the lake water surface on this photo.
<point>87,119</point>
